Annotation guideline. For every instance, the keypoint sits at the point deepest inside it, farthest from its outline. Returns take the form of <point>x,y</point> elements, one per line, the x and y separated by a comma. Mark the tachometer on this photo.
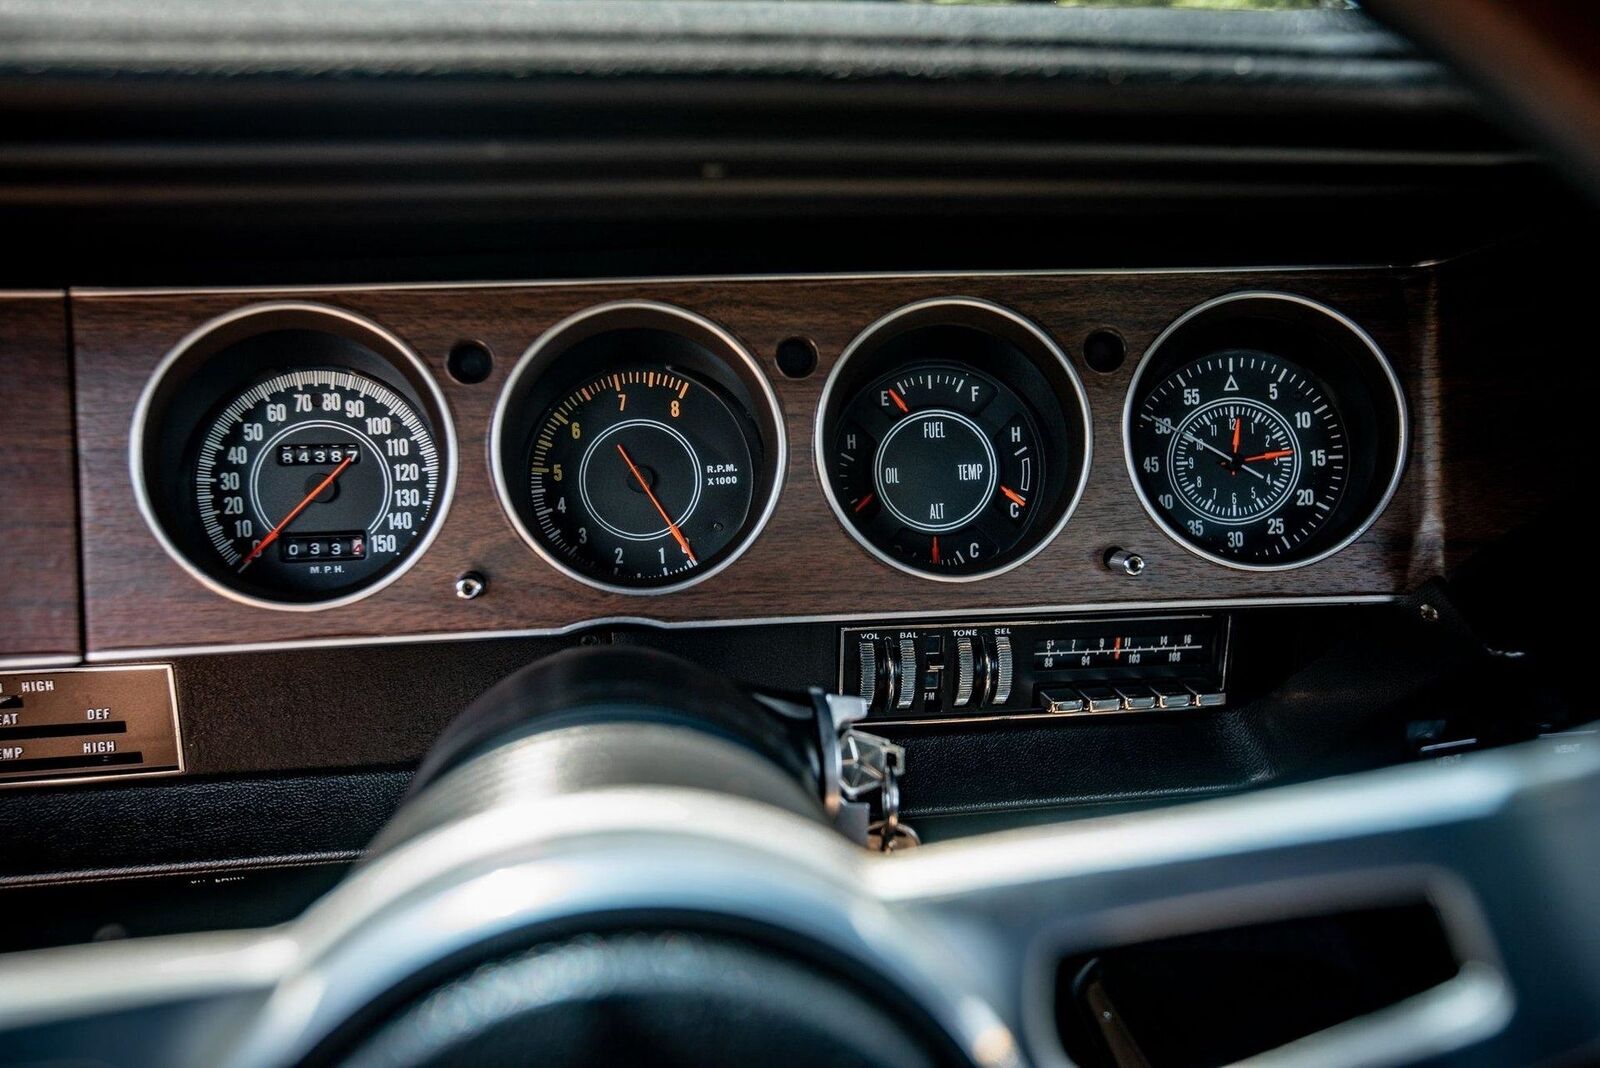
<point>641,475</point>
<point>638,448</point>
<point>1264,431</point>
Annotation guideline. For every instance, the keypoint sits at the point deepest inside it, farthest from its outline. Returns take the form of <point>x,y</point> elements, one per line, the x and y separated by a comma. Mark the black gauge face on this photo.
<point>312,483</point>
<point>293,456</point>
<point>1244,453</point>
<point>642,476</point>
<point>1264,431</point>
<point>939,465</point>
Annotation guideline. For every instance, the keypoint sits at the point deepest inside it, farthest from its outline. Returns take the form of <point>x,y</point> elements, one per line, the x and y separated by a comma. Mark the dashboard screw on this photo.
<point>1124,563</point>
<point>470,585</point>
<point>1429,613</point>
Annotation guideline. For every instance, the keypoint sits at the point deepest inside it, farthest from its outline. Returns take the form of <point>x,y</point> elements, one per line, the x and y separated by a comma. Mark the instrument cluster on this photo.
<point>298,456</point>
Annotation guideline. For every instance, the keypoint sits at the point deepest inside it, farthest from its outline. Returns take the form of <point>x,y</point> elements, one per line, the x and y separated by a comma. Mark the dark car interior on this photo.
<point>721,532</point>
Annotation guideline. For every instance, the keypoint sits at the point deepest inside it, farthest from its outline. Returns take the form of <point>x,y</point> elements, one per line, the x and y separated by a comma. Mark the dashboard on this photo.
<point>709,485</point>
<point>988,496</point>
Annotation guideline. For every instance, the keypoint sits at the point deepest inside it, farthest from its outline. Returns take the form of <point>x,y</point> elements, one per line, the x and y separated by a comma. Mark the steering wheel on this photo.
<point>608,861</point>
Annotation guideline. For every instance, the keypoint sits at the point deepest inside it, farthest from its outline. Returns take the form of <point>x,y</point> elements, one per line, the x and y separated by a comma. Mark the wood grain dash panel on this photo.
<point>39,594</point>
<point>804,564</point>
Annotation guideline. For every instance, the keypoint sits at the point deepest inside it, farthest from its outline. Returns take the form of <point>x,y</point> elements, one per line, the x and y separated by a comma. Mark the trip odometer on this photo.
<point>1245,451</point>
<point>1264,431</point>
<point>293,456</point>
<point>637,447</point>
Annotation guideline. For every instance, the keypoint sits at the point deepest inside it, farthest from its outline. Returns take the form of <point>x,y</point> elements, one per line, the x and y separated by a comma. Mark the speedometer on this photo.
<point>293,456</point>
<point>312,481</point>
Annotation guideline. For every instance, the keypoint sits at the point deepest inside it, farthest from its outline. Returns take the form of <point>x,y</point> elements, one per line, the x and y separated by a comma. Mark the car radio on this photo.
<point>947,671</point>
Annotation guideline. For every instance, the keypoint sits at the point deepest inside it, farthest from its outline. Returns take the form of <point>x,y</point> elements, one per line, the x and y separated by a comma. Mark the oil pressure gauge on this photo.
<point>931,455</point>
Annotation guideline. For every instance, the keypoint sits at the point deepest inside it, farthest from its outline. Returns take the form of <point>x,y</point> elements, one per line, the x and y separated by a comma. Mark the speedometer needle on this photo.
<point>677,535</point>
<point>272,535</point>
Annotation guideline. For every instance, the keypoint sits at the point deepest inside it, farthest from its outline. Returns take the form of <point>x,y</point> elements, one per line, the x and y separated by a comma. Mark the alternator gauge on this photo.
<point>931,455</point>
<point>1264,431</point>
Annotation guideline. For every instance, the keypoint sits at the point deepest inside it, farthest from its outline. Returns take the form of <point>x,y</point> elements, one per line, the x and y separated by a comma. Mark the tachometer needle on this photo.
<point>677,535</point>
<point>1276,454</point>
<point>272,535</point>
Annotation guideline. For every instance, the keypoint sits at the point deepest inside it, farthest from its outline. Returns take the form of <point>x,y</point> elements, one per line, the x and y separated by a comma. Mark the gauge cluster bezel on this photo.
<point>698,346</point>
<point>1359,377</point>
<point>1016,352</point>
<point>232,352</point>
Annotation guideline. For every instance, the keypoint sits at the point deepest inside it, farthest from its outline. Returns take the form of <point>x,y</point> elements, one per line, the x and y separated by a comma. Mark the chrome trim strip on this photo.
<point>886,322</point>
<point>1402,446</point>
<point>424,379</point>
<point>778,466</point>
<point>31,663</point>
<point>99,656</point>
<point>91,292</point>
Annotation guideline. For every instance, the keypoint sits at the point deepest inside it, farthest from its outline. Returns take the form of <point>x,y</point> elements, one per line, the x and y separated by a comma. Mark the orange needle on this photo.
<point>1275,455</point>
<point>899,401</point>
<point>861,504</point>
<point>1116,649</point>
<point>677,535</point>
<point>1238,425</point>
<point>1016,498</point>
<point>936,548</point>
<point>271,537</point>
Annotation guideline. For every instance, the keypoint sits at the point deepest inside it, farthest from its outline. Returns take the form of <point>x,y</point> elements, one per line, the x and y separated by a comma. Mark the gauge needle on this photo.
<point>1204,444</point>
<point>1238,425</point>
<point>1276,454</point>
<point>899,401</point>
<point>272,535</point>
<point>677,535</point>
<point>1014,497</point>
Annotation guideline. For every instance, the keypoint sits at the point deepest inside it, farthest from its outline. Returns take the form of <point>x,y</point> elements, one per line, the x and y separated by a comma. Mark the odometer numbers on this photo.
<point>1242,454</point>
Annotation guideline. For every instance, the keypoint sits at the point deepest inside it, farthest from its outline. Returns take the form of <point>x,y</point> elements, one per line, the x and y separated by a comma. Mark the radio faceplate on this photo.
<point>944,672</point>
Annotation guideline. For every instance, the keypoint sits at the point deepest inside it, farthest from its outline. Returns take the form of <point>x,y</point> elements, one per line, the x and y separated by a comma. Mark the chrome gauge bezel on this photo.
<point>216,335</point>
<point>548,348</point>
<point>1345,325</point>
<point>966,311</point>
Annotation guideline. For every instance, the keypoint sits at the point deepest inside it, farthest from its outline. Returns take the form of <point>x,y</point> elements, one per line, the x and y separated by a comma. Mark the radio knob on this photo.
<point>908,674</point>
<point>966,669</point>
<point>1003,668</point>
<point>867,661</point>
